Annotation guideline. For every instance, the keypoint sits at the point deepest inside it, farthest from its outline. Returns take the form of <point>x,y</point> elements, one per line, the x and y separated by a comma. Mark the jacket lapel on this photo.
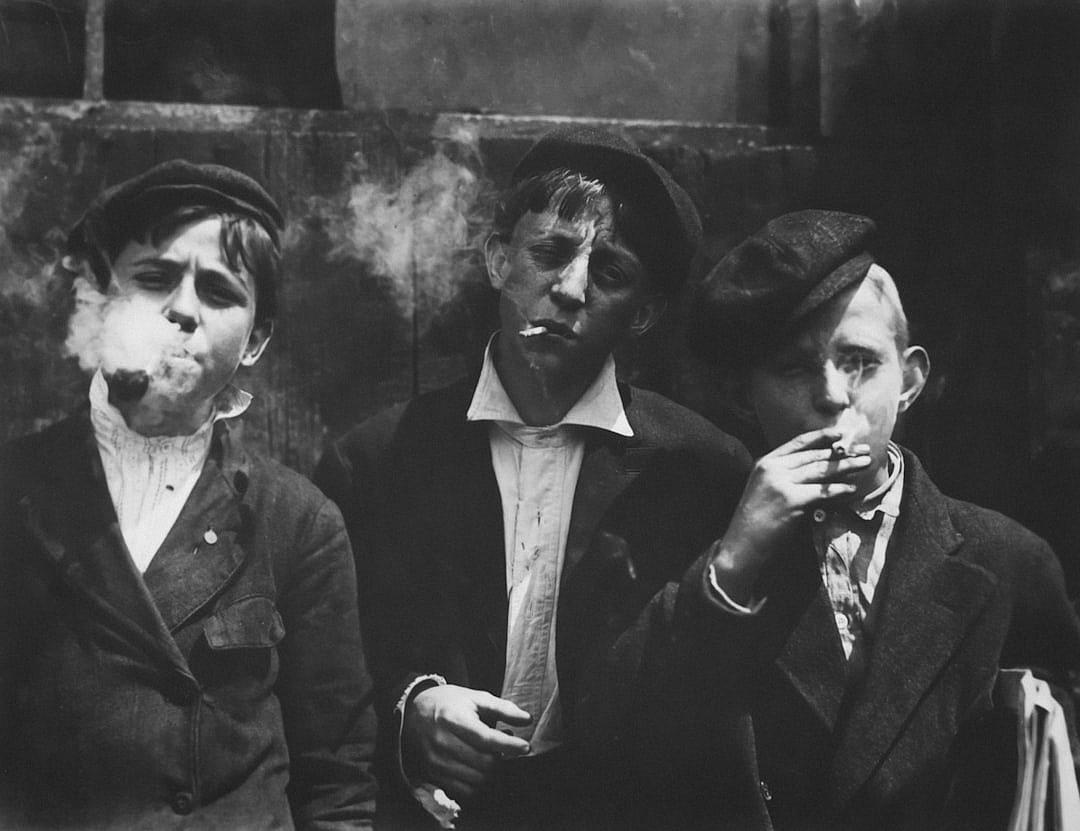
<point>605,474</point>
<point>71,517</point>
<point>811,659</point>
<point>205,546</point>
<point>931,598</point>
<point>477,515</point>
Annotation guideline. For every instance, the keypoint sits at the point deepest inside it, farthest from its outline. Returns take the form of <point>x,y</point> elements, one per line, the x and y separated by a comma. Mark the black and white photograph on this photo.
<point>513,415</point>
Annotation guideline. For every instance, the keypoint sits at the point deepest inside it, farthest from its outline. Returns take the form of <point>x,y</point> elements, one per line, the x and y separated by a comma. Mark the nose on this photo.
<point>834,389</point>
<point>571,287</point>
<point>182,306</point>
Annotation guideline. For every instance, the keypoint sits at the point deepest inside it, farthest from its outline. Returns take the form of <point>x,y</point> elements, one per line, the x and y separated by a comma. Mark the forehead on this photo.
<point>861,316</point>
<point>595,220</point>
<point>199,239</point>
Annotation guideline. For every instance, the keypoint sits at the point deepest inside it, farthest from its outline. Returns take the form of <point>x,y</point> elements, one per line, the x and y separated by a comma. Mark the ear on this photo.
<point>916,366</point>
<point>647,314</point>
<point>497,258</point>
<point>257,343</point>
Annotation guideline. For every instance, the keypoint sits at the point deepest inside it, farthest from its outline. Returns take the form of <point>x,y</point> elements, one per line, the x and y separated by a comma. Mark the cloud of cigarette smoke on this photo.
<point>418,234</point>
<point>108,332</point>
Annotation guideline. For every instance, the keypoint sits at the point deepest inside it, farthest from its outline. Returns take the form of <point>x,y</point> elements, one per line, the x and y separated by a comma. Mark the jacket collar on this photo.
<point>69,514</point>
<point>929,598</point>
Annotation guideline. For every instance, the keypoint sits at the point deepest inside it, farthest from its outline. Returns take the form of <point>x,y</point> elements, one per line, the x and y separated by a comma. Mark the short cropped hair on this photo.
<point>888,293</point>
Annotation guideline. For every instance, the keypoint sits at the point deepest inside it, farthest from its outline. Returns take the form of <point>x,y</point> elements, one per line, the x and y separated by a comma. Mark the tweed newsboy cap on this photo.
<point>775,279</point>
<point>173,184</point>
<point>668,215</point>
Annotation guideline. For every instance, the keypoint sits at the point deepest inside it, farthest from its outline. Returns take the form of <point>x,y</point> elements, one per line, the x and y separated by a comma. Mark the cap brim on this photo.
<point>847,275</point>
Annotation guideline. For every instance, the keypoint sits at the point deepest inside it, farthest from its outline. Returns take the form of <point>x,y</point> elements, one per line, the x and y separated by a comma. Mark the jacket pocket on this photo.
<point>248,623</point>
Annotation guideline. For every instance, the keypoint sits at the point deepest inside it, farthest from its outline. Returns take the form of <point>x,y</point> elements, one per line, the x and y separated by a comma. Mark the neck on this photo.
<point>152,421</point>
<point>541,395</point>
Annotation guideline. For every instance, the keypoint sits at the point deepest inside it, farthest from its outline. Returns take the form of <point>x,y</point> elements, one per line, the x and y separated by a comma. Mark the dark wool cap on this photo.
<point>669,217</point>
<point>167,186</point>
<point>767,285</point>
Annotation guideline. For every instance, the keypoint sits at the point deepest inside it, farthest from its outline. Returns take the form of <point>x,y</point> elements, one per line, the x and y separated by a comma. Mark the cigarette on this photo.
<point>533,330</point>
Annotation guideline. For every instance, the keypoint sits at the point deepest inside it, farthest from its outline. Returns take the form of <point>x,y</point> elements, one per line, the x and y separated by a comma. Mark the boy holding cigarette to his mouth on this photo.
<point>851,612</point>
<point>515,522</point>
<point>179,636</point>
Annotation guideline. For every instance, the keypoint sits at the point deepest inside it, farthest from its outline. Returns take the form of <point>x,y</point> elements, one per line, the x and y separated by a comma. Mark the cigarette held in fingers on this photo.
<point>532,331</point>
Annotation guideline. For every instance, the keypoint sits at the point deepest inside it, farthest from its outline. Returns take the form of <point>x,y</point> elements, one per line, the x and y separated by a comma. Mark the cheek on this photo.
<point>227,336</point>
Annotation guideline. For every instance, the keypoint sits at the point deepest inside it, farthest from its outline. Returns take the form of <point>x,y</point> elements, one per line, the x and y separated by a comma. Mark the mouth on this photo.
<point>547,326</point>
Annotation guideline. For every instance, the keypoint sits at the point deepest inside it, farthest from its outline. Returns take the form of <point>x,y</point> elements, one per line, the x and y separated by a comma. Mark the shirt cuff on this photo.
<point>724,600</point>
<point>432,799</point>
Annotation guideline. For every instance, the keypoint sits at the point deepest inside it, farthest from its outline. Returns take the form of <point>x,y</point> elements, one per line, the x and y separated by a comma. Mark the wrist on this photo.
<point>732,573</point>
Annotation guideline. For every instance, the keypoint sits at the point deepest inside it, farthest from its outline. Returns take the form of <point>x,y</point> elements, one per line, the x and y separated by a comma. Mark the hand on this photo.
<point>449,738</point>
<point>782,487</point>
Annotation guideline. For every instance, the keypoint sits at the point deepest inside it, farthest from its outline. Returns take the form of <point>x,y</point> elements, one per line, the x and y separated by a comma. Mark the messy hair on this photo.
<point>569,193</point>
<point>245,244</point>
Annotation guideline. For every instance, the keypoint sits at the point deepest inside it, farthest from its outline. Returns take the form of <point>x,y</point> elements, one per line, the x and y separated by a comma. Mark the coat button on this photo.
<point>182,803</point>
<point>820,515</point>
<point>210,537</point>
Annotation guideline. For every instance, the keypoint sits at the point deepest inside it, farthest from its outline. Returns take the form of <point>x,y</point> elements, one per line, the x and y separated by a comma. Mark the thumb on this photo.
<point>492,709</point>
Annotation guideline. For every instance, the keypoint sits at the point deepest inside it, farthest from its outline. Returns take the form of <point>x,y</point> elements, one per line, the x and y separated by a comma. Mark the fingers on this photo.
<point>488,740</point>
<point>822,438</point>
<point>822,470</point>
<point>493,709</point>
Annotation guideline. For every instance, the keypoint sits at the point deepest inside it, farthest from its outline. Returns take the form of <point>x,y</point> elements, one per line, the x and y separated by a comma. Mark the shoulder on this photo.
<point>428,417</point>
<point>988,537</point>
<point>283,501</point>
<point>34,454</point>
<point>660,421</point>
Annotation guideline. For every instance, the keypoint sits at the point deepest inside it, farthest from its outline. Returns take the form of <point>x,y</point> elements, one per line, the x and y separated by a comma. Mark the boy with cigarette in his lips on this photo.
<point>514,523</point>
<point>179,643</point>
<point>853,611</point>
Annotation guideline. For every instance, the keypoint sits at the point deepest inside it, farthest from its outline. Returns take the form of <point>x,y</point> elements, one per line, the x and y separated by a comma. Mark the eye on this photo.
<point>859,362</point>
<point>792,366</point>
<point>551,254</point>
<point>153,279</point>
<point>218,291</point>
<point>610,275</point>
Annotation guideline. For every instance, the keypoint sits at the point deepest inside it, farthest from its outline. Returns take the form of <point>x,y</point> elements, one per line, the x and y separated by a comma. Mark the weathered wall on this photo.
<point>693,60</point>
<point>382,294</point>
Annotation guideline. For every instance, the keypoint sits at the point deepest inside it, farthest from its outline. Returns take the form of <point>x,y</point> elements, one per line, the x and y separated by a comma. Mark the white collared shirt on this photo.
<point>151,477</point>
<point>537,470</point>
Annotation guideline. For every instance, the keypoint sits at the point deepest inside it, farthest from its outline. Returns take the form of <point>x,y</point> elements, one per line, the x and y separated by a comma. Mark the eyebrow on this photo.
<point>176,265</point>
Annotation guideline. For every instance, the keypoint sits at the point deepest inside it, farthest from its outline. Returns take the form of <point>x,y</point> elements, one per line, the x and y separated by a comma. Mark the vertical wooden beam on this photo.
<point>94,74</point>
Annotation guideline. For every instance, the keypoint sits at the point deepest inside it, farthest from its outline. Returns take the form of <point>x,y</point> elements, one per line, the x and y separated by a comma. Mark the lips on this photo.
<point>554,327</point>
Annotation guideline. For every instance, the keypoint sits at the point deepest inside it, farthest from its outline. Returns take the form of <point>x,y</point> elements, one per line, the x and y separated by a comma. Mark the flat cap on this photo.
<point>668,217</point>
<point>775,279</point>
<point>173,184</point>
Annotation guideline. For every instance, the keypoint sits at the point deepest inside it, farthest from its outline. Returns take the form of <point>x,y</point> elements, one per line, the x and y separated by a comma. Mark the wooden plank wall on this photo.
<point>356,333</point>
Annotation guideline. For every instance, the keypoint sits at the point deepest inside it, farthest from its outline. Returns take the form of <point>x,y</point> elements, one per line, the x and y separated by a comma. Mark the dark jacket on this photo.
<point>964,591</point>
<point>223,689</point>
<point>420,497</point>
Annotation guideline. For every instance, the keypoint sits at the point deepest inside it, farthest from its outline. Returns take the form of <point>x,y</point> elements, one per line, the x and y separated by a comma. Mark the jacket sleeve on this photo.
<point>323,686</point>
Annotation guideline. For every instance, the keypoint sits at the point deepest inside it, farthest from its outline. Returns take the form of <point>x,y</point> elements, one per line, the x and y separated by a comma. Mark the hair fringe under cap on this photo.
<point>621,166</point>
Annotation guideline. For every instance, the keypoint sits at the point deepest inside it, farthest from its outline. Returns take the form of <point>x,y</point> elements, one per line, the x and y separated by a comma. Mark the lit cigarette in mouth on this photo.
<point>532,331</point>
